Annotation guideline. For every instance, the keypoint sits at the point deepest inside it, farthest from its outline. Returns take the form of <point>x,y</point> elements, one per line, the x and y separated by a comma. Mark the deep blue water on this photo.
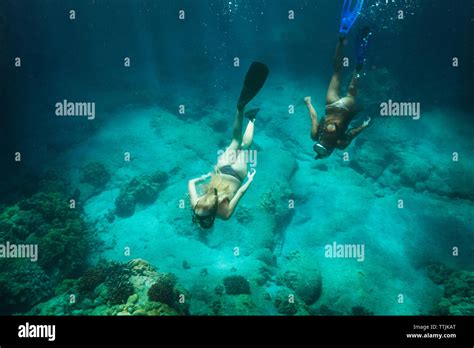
<point>191,61</point>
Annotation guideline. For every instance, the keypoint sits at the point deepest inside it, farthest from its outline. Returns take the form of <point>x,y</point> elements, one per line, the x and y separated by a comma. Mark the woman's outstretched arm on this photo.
<point>313,116</point>
<point>352,133</point>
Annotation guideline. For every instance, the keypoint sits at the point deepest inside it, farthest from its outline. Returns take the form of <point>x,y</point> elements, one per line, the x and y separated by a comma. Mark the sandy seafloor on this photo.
<point>347,202</point>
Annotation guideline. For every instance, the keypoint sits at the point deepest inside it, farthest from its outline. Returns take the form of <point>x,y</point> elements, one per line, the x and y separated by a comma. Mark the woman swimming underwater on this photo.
<point>226,187</point>
<point>332,132</point>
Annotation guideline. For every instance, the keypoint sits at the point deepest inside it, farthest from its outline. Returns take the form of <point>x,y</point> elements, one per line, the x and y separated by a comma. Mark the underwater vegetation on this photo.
<point>44,219</point>
<point>236,285</point>
<point>142,189</point>
<point>96,174</point>
<point>93,179</point>
<point>163,290</point>
<point>112,288</point>
<point>458,294</point>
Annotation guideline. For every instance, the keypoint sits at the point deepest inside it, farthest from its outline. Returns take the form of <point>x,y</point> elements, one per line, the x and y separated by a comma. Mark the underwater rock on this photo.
<point>322,167</point>
<point>95,174</point>
<point>23,284</point>
<point>163,290</point>
<point>265,255</point>
<point>460,284</point>
<point>186,265</point>
<point>244,215</point>
<point>438,273</point>
<point>91,279</point>
<point>370,159</point>
<point>118,284</point>
<point>234,305</point>
<point>141,189</point>
<point>408,166</point>
<point>263,275</point>
<point>125,291</point>
<point>45,219</point>
<point>454,180</point>
<point>412,170</point>
<point>125,204</point>
<point>458,294</point>
<point>287,303</point>
<point>274,203</point>
<point>236,285</point>
<point>157,309</point>
<point>301,275</point>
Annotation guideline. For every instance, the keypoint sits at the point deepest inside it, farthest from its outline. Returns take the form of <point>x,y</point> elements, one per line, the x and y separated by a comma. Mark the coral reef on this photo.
<point>113,288</point>
<point>287,303</point>
<point>236,285</point>
<point>141,189</point>
<point>299,274</point>
<point>438,273</point>
<point>275,202</point>
<point>45,219</point>
<point>118,284</point>
<point>95,174</point>
<point>458,294</point>
<point>163,290</point>
<point>125,204</point>
<point>22,285</point>
<point>91,279</point>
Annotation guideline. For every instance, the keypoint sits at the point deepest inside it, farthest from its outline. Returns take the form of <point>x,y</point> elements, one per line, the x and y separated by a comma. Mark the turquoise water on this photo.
<point>402,191</point>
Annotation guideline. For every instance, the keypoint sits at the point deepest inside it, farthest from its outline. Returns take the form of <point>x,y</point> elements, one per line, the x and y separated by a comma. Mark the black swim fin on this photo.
<point>252,114</point>
<point>254,80</point>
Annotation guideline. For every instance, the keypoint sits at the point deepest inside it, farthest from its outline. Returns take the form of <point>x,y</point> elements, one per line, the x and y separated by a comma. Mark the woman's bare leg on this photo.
<point>248,135</point>
<point>231,152</point>
<point>354,84</point>
<point>313,116</point>
<point>350,99</point>
<point>335,84</point>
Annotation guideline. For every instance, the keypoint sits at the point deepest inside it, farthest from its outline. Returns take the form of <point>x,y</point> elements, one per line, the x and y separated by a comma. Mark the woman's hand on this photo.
<point>205,176</point>
<point>251,174</point>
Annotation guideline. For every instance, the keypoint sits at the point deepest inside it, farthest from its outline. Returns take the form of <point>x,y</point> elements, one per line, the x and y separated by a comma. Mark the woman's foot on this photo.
<point>307,100</point>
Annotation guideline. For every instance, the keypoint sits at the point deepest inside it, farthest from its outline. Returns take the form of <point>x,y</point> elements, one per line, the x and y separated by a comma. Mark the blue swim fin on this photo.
<point>349,15</point>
